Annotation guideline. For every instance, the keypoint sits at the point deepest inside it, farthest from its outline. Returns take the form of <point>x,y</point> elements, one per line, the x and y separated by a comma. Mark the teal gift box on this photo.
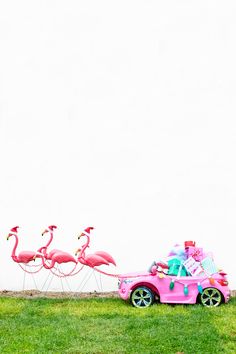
<point>176,267</point>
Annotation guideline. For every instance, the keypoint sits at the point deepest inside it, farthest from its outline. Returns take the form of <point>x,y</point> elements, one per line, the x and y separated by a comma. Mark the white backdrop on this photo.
<point>118,115</point>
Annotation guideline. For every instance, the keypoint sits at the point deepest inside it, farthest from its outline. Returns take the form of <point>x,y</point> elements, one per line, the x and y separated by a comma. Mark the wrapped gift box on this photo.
<point>195,252</point>
<point>176,267</point>
<point>193,267</point>
<point>209,266</point>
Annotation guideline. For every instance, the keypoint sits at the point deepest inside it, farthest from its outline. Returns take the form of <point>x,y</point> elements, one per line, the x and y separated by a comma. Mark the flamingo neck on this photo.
<point>50,240</point>
<point>13,253</point>
<point>82,253</point>
<point>81,259</point>
<point>46,266</point>
<point>44,248</point>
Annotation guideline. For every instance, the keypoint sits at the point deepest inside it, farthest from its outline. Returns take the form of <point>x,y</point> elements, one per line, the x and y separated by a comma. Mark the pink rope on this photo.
<point>122,276</point>
<point>77,271</point>
<point>27,271</point>
<point>32,265</point>
<point>63,275</point>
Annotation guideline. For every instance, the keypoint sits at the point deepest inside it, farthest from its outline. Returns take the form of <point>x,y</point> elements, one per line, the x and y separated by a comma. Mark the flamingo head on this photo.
<point>12,232</point>
<point>86,232</point>
<point>49,229</point>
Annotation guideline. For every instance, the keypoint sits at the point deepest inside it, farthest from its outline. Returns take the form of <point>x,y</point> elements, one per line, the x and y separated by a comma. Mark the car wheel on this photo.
<point>211,297</point>
<point>142,297</point>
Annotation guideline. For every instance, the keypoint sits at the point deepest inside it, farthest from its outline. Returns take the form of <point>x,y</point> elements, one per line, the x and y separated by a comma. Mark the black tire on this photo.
<point>142,297</point>
<point>210,297</point>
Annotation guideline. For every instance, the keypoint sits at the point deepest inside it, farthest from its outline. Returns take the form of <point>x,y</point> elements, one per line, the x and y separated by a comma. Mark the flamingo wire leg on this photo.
<point>24,279</point>
<point>67,283</point>
<point>33,277</point>
<point>63,277</point>
<point>84,281</point>
<point>48,275</point>
<point>58,270</point>
<point>49,283</point>
<point>97,282</point>
<point>100,279</point>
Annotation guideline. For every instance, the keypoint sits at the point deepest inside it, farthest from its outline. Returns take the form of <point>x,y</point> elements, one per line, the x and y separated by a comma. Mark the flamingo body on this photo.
<point>92,260</point>
<point>59,257</point>
<point>52,253</point>
<point>49,255</point>
<point>63,257</point>
<point>106,256</point>
<point>25,257</point>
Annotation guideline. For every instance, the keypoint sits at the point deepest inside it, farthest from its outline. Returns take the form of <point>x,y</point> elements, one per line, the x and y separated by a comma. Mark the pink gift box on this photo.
<point>195,252</point>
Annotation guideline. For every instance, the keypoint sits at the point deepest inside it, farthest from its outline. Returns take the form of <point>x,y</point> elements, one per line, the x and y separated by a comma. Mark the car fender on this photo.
<point>147,285</point>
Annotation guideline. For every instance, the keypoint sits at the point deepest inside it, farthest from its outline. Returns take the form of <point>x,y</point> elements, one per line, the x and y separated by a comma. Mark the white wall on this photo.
<point>118,115</point>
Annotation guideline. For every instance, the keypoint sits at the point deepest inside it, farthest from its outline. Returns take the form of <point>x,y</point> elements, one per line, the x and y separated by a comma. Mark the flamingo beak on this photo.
<point>81,235</point>
<point>78,250</point>
<point>9,235</point>
<point>37,254</point>
<point>44,232</point>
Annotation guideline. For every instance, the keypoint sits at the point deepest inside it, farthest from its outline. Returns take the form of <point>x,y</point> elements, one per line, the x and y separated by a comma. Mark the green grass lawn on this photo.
<point>110,325</point>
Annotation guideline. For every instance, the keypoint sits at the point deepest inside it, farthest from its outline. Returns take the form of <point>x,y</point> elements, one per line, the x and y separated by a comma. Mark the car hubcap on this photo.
<point>141,298</point>
<point>211,297</point>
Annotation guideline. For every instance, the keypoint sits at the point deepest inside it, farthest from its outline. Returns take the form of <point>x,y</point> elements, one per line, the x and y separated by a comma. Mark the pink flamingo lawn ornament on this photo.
<point>43,249</point>
<point>55,255</point>
<point>23,256</point>
<point>96,259</point>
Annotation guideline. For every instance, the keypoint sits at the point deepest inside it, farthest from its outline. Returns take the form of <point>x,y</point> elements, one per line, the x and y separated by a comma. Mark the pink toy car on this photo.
<point>144,288</point>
